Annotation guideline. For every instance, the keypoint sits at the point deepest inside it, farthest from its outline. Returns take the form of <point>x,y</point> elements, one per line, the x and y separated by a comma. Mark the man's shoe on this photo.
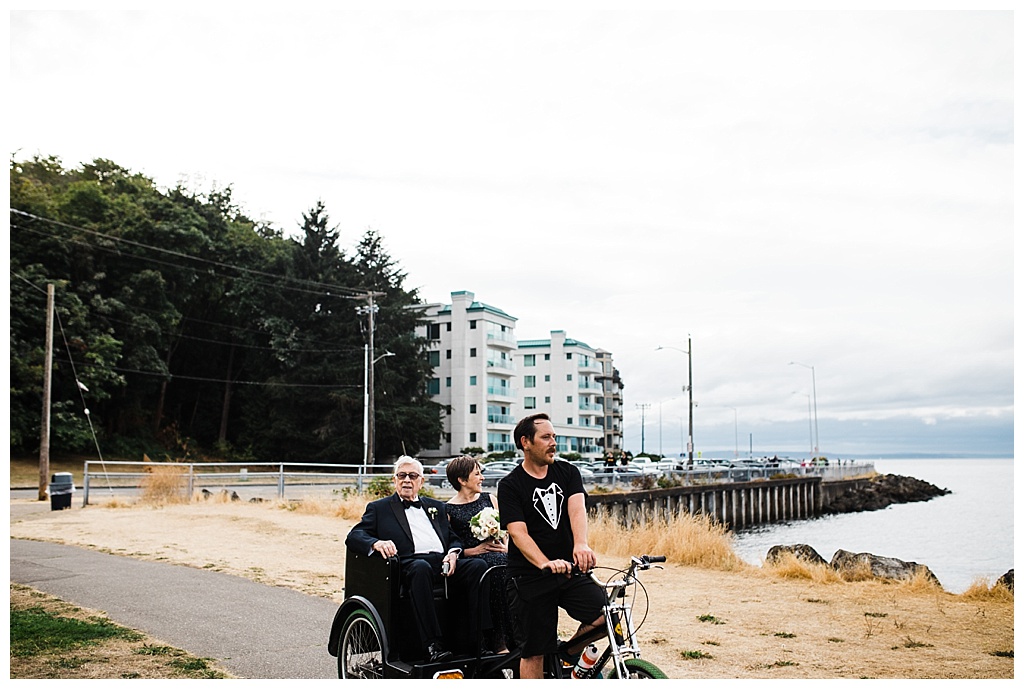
<point>435,654</point>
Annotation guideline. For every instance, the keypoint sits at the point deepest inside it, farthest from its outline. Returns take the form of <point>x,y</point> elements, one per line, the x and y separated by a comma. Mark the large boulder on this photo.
<point>1006,580</point>
<point>801,551</point>
<point>883,567</point>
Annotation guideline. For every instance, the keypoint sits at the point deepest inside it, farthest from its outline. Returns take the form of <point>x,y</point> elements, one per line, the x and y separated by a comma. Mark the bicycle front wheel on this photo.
<point>638,669</point>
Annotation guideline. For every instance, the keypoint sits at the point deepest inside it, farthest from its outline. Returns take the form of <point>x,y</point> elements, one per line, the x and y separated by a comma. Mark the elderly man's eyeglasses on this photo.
<point>402,475</point>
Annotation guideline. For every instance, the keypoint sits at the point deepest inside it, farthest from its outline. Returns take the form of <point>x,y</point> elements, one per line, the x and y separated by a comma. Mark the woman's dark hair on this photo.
<point>460,467</point>
<point>527,429</point>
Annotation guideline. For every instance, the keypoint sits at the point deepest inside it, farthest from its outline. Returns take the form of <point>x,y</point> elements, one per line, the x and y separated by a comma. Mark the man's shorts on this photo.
<point>534,600</point>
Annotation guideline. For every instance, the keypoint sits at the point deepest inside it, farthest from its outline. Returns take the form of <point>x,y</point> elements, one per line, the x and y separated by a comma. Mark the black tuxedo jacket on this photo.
<point>385,520</point>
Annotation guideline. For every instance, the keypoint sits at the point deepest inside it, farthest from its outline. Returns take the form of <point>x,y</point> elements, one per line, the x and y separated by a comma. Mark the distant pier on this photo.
<point>737,505</point>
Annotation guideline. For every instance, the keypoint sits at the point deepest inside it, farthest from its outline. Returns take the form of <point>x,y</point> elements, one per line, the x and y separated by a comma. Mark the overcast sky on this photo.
<point>830,188</point>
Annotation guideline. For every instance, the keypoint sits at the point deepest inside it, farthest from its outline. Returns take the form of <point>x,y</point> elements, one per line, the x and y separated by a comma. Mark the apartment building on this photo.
<point>560,376</point>
<point>611,401</point>
<point>471,349</point>
<point>486,380</point>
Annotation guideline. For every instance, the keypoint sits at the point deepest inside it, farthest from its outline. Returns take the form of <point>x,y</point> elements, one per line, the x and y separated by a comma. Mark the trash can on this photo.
<point>62,485</point>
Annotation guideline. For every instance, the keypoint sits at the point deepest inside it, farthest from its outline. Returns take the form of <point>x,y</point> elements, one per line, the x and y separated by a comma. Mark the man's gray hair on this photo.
<point>406,459</point>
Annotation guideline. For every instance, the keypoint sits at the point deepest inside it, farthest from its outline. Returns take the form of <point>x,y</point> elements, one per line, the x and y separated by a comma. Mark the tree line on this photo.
<point>185,329</point>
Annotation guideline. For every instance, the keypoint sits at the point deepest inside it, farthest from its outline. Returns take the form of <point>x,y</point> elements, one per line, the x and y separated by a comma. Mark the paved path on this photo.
<point>249,629</point>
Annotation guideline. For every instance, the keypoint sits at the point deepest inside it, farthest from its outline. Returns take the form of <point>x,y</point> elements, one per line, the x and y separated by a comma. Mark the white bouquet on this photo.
<point>486,524</point>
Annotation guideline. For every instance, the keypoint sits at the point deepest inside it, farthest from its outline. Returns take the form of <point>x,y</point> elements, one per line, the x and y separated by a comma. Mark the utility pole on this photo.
<point>368,414</point>
<point>44,426</point>
<point>643,408</point>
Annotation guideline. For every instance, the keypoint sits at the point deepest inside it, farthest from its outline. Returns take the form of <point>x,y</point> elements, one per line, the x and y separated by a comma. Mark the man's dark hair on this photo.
<point>460,467</point>
<point>527,429</point>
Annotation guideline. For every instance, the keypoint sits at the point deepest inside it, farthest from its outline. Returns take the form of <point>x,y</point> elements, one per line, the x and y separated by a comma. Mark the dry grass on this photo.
<point>789,566</point>
<point>686,540</point>
<point>980,590</point>
<point>165,484</point>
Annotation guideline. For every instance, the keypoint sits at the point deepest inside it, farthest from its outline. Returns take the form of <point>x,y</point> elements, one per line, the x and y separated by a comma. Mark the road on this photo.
<point>251,630</point>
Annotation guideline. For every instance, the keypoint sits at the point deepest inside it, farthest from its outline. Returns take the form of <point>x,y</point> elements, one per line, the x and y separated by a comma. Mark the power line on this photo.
<point>350,292</point>
<point>170,376</point>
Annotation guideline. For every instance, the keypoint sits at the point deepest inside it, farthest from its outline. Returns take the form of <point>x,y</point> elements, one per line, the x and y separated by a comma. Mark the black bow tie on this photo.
<point>411,503</point>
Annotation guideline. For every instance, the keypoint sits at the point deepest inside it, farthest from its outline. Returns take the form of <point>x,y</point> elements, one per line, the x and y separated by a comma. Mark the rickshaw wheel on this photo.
<point>360,655</point>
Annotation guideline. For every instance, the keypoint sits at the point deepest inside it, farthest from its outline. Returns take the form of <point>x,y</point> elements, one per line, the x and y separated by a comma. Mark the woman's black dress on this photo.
<point>459,515</point>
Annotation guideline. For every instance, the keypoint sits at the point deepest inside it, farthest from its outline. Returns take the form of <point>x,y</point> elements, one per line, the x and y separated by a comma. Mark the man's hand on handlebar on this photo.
<point>558,567</point>
<point>584,557</point>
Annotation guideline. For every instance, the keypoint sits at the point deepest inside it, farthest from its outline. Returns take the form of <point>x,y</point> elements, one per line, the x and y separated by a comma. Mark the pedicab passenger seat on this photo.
<point>378,581</point>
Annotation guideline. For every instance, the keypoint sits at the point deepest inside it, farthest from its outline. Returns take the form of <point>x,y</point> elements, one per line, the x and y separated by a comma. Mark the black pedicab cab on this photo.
<point>374,635</point>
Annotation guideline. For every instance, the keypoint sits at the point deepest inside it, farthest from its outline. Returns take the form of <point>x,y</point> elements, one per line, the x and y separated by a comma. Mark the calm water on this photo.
<point>960,537</point>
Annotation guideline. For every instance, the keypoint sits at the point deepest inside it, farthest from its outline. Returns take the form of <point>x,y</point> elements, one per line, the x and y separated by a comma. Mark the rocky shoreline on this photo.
<point>881,491</point>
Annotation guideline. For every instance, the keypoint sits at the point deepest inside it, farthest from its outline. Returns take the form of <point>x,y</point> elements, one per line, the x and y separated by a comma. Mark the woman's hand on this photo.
<point>494,546</point>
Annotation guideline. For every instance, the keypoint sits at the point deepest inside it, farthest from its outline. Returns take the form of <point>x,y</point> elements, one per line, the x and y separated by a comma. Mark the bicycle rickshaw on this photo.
<point>373,635</point>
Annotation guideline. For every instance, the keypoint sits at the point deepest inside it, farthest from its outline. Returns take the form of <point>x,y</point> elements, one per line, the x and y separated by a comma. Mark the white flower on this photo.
<point>486,524</point>
<point>432,511</point>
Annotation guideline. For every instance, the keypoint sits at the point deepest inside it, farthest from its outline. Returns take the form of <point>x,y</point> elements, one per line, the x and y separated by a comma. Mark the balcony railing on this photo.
<point>500,418</point>
<point>500,391</point>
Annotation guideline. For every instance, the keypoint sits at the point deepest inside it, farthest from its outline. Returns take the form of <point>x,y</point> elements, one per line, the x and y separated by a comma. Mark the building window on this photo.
<point>472,380</point>
<point>547,399</point>
<point>433,331</point>
<point>569,421</point>
<point>472,351</point>
<point>530,403</point>
<point>568,398</point>
<point>448,382</point>
<point>547,378</point>
<point>472,409</point>
<point>529,381</point>
<point>447,354</point>
<point>547,357</point>
<point>568,355</point>
<point>448,327</point>
<point>434,386</point>
<point>472,437</point>
<point>568,376</point>
<point>530,360</point>
<point>472,325</point>
<point>447,437</point>
<point>434,357</point>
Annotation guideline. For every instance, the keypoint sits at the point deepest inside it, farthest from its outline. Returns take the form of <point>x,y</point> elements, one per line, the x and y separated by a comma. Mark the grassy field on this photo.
<point>51,639</point>
<point>25,470</point>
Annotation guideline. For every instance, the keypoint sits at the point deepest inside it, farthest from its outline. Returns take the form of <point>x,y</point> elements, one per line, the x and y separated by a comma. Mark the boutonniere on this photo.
<point>432,511</point>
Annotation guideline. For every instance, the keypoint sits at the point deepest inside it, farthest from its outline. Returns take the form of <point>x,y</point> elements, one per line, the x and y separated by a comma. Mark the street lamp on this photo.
<point>643,409</point>
<point>814,389</point>
<point>689,388</point>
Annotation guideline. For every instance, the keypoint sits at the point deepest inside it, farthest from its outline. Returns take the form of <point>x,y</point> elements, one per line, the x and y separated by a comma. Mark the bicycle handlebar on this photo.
<point>653,558</point>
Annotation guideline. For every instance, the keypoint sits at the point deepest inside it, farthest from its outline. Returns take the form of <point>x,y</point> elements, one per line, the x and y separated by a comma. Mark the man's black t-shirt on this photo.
<point>543,505</point>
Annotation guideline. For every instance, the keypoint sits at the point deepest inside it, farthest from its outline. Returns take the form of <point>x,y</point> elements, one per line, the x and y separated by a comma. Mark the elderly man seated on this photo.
<point>416,529</point>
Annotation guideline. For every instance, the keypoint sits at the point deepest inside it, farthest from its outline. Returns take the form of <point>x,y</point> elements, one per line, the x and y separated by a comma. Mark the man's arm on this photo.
<point>582,555</point>
<point>532,552</point>
<point>363,535</point>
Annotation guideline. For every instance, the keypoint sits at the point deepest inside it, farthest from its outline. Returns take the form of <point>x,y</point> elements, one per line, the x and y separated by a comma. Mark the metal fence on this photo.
<point>297,480</point>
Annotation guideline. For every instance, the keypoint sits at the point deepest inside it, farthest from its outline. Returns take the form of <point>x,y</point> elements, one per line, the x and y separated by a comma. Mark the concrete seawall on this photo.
<point>736,505</point>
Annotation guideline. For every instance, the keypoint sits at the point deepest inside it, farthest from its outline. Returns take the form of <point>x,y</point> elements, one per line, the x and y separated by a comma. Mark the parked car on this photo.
<point>645,465</point>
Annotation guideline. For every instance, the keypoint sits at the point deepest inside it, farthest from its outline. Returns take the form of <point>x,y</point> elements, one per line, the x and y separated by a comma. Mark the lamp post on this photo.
<point>814,390</point>
<point>689,388</point>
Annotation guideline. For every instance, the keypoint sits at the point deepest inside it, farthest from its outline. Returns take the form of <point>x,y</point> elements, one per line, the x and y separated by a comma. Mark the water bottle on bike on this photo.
<point>587,659</point>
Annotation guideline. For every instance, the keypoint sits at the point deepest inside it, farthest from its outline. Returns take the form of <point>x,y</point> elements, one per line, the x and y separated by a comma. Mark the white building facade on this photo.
<point>559,376</point>
<point>611,401</point>
<point>471,349</point>
<point>486,380</point>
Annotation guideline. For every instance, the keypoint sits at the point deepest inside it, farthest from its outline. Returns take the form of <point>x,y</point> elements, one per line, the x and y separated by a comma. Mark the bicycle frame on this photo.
<point>618,618</point>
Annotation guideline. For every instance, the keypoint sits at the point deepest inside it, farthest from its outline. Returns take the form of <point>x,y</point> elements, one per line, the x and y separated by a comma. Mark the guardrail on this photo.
<point>259,478</point>
<point>299,479</point>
